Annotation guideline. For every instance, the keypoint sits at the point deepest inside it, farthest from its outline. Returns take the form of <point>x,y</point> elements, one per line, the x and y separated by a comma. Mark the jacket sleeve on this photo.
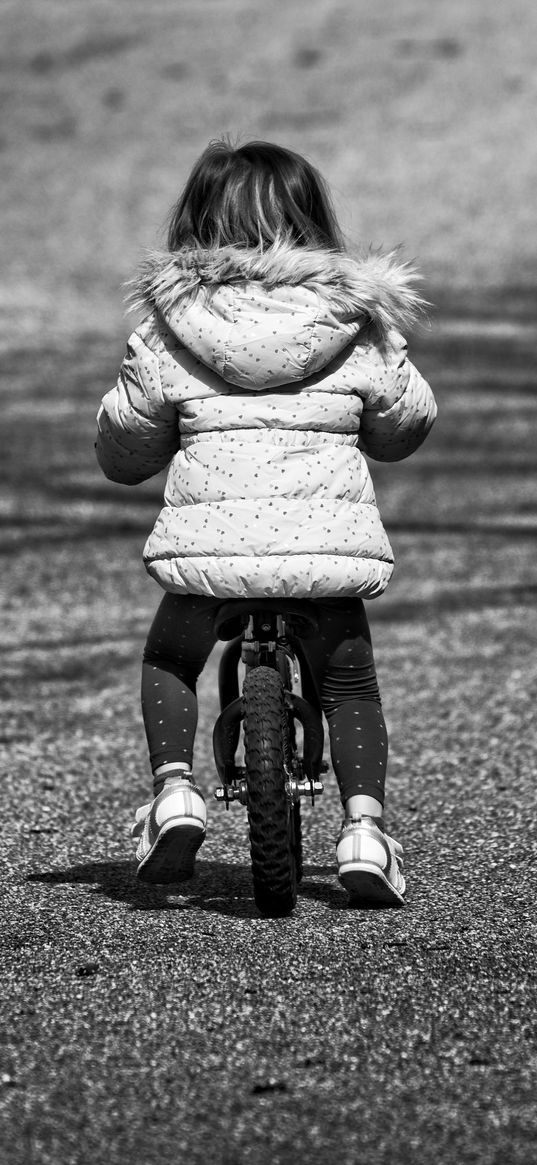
<point>137,429</point>
<point>399,408</point>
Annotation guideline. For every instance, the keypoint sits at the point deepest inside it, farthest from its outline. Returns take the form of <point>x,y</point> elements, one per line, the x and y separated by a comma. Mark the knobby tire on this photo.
<point>273,823</point>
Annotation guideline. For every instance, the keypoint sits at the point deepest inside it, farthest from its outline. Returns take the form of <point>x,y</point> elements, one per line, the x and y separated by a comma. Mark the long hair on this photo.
<point>253,196</point>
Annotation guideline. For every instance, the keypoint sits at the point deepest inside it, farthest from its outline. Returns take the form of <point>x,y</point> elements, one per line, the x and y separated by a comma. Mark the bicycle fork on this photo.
<point>301,783</point>
<point>261,645</point>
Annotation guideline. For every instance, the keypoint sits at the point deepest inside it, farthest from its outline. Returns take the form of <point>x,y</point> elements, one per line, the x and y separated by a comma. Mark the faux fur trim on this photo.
<point>377,286</point>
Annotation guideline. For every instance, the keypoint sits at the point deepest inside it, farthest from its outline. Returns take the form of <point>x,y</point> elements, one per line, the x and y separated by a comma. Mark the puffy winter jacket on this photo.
<point>261,377</point>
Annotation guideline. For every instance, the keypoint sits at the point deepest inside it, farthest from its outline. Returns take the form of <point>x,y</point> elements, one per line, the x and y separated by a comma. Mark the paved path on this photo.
<point>138,1024</point>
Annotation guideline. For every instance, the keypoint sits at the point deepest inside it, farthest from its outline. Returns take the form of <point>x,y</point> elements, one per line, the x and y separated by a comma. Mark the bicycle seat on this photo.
<point>299,614</point>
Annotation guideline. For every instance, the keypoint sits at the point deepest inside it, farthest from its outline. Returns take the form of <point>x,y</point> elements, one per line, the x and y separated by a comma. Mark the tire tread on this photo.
<point>273,856</point>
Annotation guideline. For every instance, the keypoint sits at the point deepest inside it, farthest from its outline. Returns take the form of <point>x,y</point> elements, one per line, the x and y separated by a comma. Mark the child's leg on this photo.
<point>343,667</point>
<point>369,861</point>
<point>178,645</point>
<point>170,829</point>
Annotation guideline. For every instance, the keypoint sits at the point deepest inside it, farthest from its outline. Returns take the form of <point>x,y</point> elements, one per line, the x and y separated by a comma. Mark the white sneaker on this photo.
<point>370,863</point>
<point>169,831</point>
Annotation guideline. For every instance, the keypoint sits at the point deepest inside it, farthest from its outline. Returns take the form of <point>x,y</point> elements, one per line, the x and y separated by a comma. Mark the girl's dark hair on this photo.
<point>253,196</point>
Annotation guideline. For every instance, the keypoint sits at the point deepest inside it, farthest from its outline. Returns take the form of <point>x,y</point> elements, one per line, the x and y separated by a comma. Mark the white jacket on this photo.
<point>261,377</point>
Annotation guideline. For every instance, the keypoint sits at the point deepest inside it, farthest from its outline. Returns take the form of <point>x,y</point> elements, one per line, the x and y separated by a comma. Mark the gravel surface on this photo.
<point>164,1027</point>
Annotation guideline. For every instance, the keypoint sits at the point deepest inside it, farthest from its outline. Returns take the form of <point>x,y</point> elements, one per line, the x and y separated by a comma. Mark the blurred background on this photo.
<point>421,116</point>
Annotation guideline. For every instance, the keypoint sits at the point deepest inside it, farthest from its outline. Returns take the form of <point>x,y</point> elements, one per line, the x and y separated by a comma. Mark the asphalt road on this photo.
<point>162,1027</point>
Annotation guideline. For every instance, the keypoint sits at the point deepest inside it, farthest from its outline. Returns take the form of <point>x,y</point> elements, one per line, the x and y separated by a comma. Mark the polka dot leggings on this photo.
<point>342,679</point>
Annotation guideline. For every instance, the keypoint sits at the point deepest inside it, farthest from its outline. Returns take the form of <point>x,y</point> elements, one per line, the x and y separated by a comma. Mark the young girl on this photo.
<point>268,360</point>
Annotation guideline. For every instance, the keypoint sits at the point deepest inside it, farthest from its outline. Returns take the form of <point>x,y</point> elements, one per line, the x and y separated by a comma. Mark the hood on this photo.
<point>267,318</point>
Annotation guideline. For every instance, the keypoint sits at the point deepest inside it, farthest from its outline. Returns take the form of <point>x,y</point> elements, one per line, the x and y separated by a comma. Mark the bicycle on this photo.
<point>265,635</point>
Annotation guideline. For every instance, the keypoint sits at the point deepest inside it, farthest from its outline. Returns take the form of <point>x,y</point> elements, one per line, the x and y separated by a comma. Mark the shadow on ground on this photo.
<point>218,887</point>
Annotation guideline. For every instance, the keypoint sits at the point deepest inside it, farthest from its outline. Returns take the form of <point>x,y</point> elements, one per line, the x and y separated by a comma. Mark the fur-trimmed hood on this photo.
<point>262,318</point>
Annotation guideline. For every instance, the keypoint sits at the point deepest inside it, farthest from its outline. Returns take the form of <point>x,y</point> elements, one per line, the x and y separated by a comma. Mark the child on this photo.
<point>268,359</point>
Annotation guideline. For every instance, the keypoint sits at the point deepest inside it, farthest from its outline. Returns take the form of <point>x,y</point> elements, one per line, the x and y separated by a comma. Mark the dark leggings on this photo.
<point>341,664</point>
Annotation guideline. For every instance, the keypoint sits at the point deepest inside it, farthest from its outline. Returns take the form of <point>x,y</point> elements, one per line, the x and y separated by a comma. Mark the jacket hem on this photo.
<point>280,576</point>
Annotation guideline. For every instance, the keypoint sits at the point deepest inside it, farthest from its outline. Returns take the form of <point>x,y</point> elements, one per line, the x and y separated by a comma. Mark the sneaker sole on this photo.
<point>367,883</point>
<point>173,855</point>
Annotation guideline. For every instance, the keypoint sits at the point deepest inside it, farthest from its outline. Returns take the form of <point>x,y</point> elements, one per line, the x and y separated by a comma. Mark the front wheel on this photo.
<point>272,823</point>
